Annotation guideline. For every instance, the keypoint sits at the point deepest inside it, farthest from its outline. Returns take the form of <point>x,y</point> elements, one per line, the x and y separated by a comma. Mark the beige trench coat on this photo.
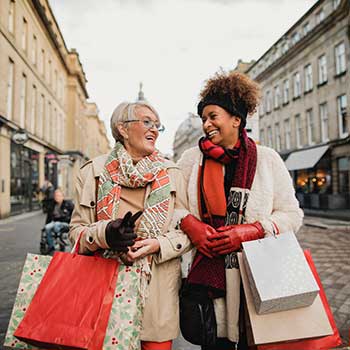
<point>161,313</point>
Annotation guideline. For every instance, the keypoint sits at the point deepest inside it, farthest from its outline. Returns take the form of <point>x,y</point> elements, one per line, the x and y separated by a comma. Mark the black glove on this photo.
<point>120,233</point>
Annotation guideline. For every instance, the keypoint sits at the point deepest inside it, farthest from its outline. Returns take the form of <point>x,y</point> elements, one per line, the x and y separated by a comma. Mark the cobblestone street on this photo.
<point>328,240</point>
<point>330,248</point>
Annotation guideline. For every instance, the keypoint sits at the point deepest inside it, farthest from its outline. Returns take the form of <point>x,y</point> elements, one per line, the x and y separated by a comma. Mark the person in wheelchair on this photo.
<point>58,218</point>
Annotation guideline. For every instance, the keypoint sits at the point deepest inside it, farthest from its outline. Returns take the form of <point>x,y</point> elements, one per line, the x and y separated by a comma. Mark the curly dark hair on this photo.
<point>235,84</point>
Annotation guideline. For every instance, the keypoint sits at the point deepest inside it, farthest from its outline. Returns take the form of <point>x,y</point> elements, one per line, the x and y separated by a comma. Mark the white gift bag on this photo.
<point>279,275</point>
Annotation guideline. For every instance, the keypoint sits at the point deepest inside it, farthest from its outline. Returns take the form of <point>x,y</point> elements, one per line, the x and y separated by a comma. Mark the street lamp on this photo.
<point>20,137</point>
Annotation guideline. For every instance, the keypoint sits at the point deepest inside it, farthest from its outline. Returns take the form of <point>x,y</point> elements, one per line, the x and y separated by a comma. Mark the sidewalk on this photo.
<point>326,223</point>
<point>336,214</point>
<point>21,216</point>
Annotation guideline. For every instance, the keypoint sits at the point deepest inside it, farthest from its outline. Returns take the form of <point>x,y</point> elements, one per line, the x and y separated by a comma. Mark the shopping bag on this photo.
<point>307,322</point>
<point>71,306</point>
<point>33,271</point>
<point>327,342</point>
<point>279,275</point>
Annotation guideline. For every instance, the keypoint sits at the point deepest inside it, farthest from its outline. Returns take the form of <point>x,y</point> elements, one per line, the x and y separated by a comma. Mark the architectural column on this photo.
<point>5,173</point>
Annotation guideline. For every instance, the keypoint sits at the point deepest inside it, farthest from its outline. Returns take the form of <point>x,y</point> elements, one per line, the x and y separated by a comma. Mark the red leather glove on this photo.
<point>229,238</point>
<point>198,232</point>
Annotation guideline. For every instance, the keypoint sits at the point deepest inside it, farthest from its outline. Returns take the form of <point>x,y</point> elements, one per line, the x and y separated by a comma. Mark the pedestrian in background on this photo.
<point>48,193</point>
<point>136,178</point>
<point>58,217</point>
<point>238,191</point>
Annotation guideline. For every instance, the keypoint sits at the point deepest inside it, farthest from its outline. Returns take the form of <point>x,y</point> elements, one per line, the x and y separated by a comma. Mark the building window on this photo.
<point>285,46</point>
<point>310,127</point>
<point>277,97</point>
<point>297,85</point>
<point>42,62</point>
<point>286,91</point>
<point>48,123</point>
<point>295,38</point>
<point>340,63</point>
<point>319,16</point>
<point>261,109</point>
<point>48,71</point>
<point>40,124</point>
<point>23,100</point>
<point>24,34</point>
<point>262,136</point>
<point>342,116</point>
<point>33,111</point>
<point>322,69</point>
<point>63,134</point>
<point>308,78</point>
<point>343,175</point>
<point>306,28</point>
<point>11,22</point>
<point>269,137</point>
<point>287,133</point>
<point>56,127</point>
<point>268,101</point>
<point>336,4</point>
<point>298,131</point>
<point>10,82</point>
<point>278,53</point>
<point>55,82</point>
<point>34,49</point>
<point>278,136</point>
<point>324,121</point>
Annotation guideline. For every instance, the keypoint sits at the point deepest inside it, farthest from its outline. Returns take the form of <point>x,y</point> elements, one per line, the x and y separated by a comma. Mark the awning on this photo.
<point>305,159</point>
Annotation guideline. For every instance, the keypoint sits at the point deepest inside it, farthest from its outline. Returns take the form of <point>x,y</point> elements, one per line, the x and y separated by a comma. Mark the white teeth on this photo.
<point>212,133</point>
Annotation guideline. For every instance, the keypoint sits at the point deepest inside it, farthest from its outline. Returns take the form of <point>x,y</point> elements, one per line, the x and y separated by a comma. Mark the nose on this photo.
<point>206,124</point>
<point>154,128</point>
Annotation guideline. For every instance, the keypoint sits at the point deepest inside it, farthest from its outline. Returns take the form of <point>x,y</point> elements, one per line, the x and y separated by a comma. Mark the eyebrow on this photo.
<point>148,117</point>
<point>209,114</point>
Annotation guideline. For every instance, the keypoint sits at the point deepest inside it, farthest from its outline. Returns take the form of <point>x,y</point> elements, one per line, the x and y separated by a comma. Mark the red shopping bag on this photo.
<point>71,307</point>
<point>319,343</point>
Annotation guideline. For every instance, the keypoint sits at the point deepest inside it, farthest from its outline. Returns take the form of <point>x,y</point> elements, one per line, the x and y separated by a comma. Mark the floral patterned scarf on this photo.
<point>131,290</point>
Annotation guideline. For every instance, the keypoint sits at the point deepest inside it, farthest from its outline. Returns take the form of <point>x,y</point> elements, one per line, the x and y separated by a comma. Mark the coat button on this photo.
<point>92,203</point>
<point>178,246</point>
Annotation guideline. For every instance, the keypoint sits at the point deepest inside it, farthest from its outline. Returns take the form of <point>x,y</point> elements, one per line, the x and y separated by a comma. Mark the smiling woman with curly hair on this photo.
<point>238,191</point>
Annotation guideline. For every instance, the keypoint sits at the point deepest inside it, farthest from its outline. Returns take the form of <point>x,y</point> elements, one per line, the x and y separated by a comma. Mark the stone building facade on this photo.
<point>304,114</point>
<point>44,115</point>
<point>187,135</point>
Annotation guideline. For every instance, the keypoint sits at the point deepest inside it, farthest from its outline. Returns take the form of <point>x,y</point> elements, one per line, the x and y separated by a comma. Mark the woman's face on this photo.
<point>139,140</point>
<point>220,127</point>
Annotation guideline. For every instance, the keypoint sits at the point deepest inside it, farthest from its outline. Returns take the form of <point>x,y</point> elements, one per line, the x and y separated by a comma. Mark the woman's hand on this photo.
<point>143,248</point>
<point>199,233</point>
<point>228,239</point>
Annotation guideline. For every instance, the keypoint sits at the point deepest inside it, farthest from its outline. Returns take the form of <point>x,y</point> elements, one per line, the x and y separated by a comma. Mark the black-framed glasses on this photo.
<point>148,124</point>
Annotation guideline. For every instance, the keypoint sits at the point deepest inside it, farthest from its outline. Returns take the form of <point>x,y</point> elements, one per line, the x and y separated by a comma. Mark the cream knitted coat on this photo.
<point>272,202</point>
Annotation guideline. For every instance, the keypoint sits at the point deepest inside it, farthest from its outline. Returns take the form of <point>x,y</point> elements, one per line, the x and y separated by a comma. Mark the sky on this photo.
<point>171,46</point>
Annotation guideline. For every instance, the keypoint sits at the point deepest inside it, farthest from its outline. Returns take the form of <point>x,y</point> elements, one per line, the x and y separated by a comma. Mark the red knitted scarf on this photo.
<point>212,201</point>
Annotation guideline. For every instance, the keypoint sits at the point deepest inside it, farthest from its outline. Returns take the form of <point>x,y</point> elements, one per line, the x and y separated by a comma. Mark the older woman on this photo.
<point>135,177</point>
<point>238,191</point>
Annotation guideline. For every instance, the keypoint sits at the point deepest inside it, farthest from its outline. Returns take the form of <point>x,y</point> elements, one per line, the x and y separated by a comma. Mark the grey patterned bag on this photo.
<point>279,275</point>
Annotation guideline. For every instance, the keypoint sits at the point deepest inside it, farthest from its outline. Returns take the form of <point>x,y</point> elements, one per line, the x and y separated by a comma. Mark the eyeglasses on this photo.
<point>148,124</point>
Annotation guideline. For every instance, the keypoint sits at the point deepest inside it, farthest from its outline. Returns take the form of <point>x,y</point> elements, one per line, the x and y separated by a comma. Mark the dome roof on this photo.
<point>189,128</point>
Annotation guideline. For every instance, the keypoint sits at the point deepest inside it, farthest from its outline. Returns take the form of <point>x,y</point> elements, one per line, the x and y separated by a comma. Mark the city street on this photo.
<point>328,240</point>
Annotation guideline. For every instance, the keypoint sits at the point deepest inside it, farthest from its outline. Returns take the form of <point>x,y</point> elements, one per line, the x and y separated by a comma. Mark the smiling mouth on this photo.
<point>212,133</point>
<point>151,138</point>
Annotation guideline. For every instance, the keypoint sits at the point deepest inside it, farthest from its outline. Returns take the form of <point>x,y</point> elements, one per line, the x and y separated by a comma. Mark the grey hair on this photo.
<point>127,111</point>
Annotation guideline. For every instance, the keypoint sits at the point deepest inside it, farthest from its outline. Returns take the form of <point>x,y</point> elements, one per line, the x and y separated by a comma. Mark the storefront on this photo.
<point>321,181</point>
<point>24,183</point>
